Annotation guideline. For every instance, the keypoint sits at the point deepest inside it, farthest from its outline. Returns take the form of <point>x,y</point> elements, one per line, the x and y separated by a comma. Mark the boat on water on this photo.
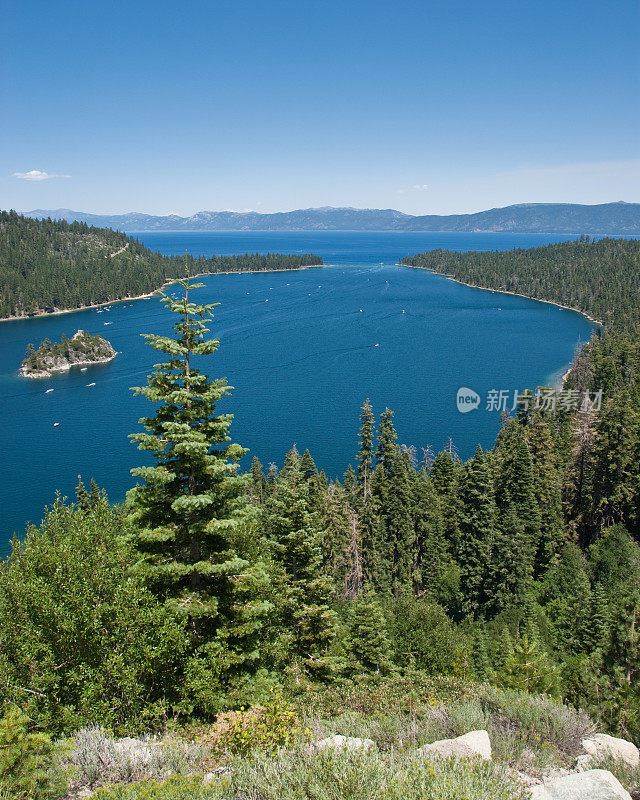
<point>91,384</point>
<point>55,424</point>
<point>83,369</point>
<point>46,391</point>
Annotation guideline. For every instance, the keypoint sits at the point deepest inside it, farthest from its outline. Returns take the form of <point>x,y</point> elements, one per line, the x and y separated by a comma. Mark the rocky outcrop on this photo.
<point>600,745</point>
<point>475,744</point>
<point>81,350</point>
<point>595,784</point>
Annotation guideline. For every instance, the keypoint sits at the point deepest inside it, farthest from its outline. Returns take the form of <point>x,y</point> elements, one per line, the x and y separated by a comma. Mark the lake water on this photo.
<point>303,350</point>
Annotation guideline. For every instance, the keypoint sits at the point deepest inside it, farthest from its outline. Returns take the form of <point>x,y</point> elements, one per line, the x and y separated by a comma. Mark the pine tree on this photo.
<point>365,454</point>
<point>444,474</point>
<point>258,480</point>
<point>528,668</point>
<point>303,591</point>
<point>508,576</point>
<point>515,484</point>
<point>568,602</point>
<point>547,491</point>
<point>399,524</point>
<point>308,466</point>
<point>477,524</point>
<point>434,563</point>
<point>387,438</point>
<point>367,640</point>
<point>189,509</point>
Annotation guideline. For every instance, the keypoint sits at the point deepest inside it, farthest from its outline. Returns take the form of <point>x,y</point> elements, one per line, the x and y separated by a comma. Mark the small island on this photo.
<point>82,349</point>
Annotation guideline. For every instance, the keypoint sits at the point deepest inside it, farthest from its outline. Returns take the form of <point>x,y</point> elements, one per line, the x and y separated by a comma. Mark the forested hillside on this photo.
<point>600,278</point>
<point>514,573</point>
<point>47,265</point>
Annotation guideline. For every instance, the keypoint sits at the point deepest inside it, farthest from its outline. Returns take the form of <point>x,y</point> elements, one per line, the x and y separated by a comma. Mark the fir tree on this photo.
<point>387,438</point>
<point>365,453</point>
<point>258,480</point>
<point>304,591</point>
<point>188,511</point>
<point>477,523</point>
<point>368,643</point>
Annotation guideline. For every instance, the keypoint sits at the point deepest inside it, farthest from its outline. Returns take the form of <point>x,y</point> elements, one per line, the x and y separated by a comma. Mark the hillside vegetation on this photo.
<point>600,278</point>
<point>47,265</point>
<point>417,597</point>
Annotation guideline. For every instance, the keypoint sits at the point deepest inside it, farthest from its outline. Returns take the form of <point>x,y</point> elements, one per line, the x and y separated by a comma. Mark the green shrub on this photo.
<point>81,640</point>
<point>360,775</point>
<point>29,762</point>
<point>268,727</point>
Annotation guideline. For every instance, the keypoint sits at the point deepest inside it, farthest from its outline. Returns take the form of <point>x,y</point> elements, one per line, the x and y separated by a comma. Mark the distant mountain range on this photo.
<point>615,218</point>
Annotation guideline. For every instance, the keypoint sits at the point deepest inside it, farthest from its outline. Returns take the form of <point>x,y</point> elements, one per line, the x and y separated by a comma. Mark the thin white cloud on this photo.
<point>417,187</point>
<point>37,175</point>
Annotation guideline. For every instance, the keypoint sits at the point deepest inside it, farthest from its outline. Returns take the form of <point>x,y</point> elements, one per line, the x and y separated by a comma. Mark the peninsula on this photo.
<point>82,349</point>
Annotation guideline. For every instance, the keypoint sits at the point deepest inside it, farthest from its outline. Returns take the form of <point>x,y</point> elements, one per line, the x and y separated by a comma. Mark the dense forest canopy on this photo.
<point>47,265</point>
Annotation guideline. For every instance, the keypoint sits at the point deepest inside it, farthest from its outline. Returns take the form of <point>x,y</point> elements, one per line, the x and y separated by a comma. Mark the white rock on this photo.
<point>601,745</point>
<point>471,745</point>
<point>584,762</point>
<point>595,784</point>
<point>337,742</point>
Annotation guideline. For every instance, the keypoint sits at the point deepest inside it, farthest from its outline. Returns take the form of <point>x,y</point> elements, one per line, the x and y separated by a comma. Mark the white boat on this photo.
<point>83,369</point>
<point>107,323</point>
<point>55,424</point>
<point>46,391</point>
<point>91,384</point>
<point>376,345</point>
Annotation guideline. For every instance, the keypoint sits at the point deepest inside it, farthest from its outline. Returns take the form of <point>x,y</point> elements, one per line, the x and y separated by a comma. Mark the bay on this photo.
<point>302,349</point>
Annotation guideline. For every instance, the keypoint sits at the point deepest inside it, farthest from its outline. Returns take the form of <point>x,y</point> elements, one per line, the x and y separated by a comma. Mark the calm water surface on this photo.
<point>302,350</point>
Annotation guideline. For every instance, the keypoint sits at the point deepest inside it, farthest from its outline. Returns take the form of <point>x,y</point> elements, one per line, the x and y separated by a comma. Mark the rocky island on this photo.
<point>82,349</point>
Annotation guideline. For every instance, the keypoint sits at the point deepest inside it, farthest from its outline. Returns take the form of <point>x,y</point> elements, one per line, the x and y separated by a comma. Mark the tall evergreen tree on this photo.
<point>477,525</point>
<point>188,509</point>
<point>365,453</point>
<point>304,591</point>
<point>386,440</point>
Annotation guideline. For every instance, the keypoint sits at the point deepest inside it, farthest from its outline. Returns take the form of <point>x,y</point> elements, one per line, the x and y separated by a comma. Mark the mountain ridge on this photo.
<point>612,218</point>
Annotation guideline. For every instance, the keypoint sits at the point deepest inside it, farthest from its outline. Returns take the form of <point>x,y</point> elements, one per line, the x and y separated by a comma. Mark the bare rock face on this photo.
<point>475,744</point>
<point>595,784</point>
<point>601,745</point>
<point>337,742</point>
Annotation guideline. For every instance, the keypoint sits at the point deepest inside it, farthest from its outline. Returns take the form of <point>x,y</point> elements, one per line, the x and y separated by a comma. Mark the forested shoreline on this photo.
<point>48,266</point>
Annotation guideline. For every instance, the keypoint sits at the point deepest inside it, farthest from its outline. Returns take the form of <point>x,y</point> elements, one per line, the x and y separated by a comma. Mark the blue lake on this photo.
<point>303,350</point>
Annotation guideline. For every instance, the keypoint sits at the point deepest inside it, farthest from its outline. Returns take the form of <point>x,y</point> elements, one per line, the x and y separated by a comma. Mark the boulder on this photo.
<point>475,744</point>
<point>601,745</point>
<point>337,742</point>
<point>595,784</point>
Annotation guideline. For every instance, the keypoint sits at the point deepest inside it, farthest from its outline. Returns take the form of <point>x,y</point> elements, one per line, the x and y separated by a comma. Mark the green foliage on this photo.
<point>50,264</point>
<point>296,775</point>
<point>80,638</point>
<point>266,728</point>
<point>367,642</point>
<point>188,513</point>
<point>29,762</point>
<point>80,348</point>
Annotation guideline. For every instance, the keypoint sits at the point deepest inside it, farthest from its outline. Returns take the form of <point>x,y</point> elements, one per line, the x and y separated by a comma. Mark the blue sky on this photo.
<point>428,107</point>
